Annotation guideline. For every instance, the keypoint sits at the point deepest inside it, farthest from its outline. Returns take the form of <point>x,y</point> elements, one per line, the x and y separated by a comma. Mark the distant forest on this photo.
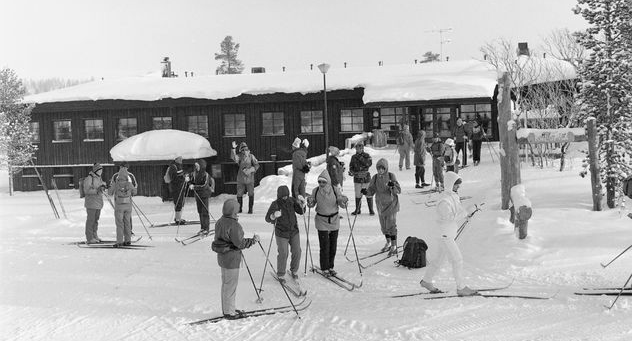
<point>43,85</point>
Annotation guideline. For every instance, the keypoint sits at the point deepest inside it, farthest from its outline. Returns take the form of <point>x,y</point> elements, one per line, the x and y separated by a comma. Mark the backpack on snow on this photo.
<point>167,176</point>
<point>82,193</point>
<point>414,255</point>
<point>626,186</point>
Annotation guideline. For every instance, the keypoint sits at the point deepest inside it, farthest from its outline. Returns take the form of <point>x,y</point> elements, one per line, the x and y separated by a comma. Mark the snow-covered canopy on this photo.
<point>159,145</point>
<point>427,81</point>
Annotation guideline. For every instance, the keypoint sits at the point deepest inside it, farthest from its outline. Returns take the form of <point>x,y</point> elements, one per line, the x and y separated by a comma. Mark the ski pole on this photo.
<point>307,245</point>
<point>139,218</point>
<point>143,214</point>
<point>204,205</point>
<point>620,291</point>
<point>282,286</point>
<point>467,220</point>
<point>619,255</point>
<point>353,241</point>
<point>267,256</point>
<point>63,210</point>
<point>259,299</point>
<point>50,200</point>
<point>350,234</point>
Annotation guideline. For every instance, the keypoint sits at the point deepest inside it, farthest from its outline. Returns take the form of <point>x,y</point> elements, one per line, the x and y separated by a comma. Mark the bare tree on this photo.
<point>564,45</point>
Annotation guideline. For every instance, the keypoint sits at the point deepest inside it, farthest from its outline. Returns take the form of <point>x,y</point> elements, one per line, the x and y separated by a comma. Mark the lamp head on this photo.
<point>324,67</point>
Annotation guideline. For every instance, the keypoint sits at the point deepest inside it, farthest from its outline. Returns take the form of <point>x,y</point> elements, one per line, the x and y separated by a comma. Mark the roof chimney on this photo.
<point>258,70</point>
<point>311,66</point>
<point>345,65</point>
<point>523,49</point>
<point>166,67</point>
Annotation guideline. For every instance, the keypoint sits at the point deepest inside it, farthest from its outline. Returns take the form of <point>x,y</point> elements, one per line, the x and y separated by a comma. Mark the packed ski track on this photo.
<point>50,290</point>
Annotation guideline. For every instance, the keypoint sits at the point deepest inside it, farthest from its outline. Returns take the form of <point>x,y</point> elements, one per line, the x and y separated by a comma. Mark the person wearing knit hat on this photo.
<point>419,159</point>
<point>335,168</point>
<point>437,149</point>
<point>359,170</point>
<point>248,165</point>
<point>93,187</point>
<point>449,156</point>
<point>122,189</point>
<point>300,167</point>
<point>177,187</point>
<point>203,186</point>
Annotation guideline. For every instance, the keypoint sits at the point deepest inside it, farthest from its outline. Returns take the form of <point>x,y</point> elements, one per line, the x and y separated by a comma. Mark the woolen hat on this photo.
<point>179,159</point>
<point>296,143</point>
<point>449,142</point>
<point>96,167</point>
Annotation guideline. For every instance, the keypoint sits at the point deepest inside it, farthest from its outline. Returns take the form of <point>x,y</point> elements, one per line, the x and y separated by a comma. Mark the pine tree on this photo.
<point>431,57</point>
<point>16,147</point>
<point>606,85</point>
<point>228,56</point>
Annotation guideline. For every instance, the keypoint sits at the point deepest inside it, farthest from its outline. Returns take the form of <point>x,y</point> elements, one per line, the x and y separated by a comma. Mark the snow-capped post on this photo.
<point>593,159</point>
<point>520,210</point>
<point>509,163</point>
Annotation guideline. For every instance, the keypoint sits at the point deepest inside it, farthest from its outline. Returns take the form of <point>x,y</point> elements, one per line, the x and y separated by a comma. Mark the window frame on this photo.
<point>225,125</point>
<point>162,120</point>
<point>311,114</point>
<point>119,125</point>
<point>37,133</point>
<point>197,124</point>
<point>353,117</point>
<point>55,132</point>
<point>85,130</point>
<point>275,120</point>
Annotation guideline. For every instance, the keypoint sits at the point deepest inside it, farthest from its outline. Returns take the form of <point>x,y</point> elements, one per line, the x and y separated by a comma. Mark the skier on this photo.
<point>123,189</point>
<point>282,213</point>
<point>359,170</point>
<point>437,149</point>
<point>93,187</point>
<point>335,168</point>
<point>300,166</point>
<point>386,189</point>
<point>449,210</point>
<point>228,243</point>
<point>420,159</point>
<point>248,165</point>
<point>327,199</point>
<point>176,187</point>
<point>477,140</point>
<point>404,145</point>
<point>449,156</point>
<point>459,134</point>
<point>204,186</point>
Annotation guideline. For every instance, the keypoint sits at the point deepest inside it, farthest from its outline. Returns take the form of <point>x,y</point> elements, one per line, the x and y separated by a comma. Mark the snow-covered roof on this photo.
<point>536,70</point>
<point>416,82</point>
<point>160,145</point>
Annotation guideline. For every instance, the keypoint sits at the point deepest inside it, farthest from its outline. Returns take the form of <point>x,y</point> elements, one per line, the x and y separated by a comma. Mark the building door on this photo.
<point>438,119</point>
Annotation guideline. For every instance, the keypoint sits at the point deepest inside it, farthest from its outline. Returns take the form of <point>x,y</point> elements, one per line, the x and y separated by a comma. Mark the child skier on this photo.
<point>437,150</point>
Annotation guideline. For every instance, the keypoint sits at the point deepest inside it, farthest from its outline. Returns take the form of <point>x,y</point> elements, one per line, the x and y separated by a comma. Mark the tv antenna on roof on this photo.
<point>442,41</point>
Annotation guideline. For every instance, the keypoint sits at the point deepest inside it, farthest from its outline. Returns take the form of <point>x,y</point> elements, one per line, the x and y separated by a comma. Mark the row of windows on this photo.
<point>234,125</point>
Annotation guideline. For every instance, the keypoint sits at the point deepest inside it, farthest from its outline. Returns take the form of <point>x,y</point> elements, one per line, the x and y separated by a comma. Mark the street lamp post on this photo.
<point>324,67</point>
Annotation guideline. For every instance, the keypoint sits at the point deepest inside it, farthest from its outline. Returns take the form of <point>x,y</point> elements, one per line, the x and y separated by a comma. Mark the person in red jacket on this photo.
<point>228,243</point>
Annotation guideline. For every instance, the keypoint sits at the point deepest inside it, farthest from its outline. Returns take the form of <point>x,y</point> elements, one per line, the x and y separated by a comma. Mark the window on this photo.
<point>481,112</point>
<point>35,132</point>
<point>198,125</point>
<point>62,131</point>
<point>312,121</point>
<point>272,123</point>
<point>352,120</point>
<point>94,130</point>
<point>161,123</point>
<point>127,127</point>
<point>234,125</point>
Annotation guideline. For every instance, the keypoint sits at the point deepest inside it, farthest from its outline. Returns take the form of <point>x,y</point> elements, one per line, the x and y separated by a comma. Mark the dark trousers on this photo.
<point>177,195</point>
<point>476,150</point>
<point>462,146</point>
<point>420,172</point>
<point>202,208</point>
<point>328,241</point>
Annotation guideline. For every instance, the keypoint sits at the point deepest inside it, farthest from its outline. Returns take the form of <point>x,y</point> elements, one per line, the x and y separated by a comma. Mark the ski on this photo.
<point>443,292</point>
<point>399,248</point>
<point>188,222</point>
<point>103,242</point>
<point>260,312</point>
<point>433,203</point>
<point>527,297</point>
<point>605,293</point>
<point>111,246</point>
<point>606,288</point>
<point>339,281</point>
<point>194,238</point>
<point>294,288</point>
<point>377,261</point>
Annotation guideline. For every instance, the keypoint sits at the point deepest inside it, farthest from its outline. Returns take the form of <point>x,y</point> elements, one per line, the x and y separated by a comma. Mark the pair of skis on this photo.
<point>188,222</point>
<point>338,280</point>
<point>304,304</point>
<point>482,292</point>
<point>375,262</point>
<point>434,202</point>
<point>291,285</point>
<point>111,244</point>
<point>194,238</point>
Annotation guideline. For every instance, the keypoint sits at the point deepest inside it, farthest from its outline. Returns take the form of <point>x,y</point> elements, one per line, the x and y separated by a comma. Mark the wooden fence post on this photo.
<point>593,156</point>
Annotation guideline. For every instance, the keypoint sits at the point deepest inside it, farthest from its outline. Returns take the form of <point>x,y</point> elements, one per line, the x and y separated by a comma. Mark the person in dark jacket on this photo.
<point>386,189</point>
<point>359,170</point>
<point>477,140</point>
<point>335,168</point>
<point>460,138</point>
<point>204,186</point>
<point>248,166</point>
<point>228,243</point>
<point>420,160</point>
<point>300,166</point>
<point>437,149</point>
<point>282,213</point>
<point>177,187</point>
<point>93,187</point>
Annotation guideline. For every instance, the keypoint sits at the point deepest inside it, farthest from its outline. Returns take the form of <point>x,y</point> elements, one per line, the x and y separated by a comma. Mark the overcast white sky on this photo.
<point>112,38</point>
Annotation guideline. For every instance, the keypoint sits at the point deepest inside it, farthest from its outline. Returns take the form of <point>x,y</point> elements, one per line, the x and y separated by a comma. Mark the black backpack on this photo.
<point>626,186</point>
<point>414,255</point>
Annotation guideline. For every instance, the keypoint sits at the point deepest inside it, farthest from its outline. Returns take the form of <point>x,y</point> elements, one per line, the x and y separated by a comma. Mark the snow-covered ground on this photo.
<point>50,290</point>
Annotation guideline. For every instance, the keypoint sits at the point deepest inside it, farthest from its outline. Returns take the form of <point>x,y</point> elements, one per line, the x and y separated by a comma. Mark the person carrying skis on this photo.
<point>437,149</point>
<point>282,213</point>
<point>359,170</point>
<point>327,199</point>
<point>449,156</point>
<point>386,189</point>
<point>300,166</point>
<point>248,165</point>
<point>123,189</point>
<point>93,187</point>
<point>335,168</point>
<point>228,243</point>
<point>204,186</point>
<point>420,159</point>
<point>404,145</point>
<point>449,211</point>
<point>177,187</point>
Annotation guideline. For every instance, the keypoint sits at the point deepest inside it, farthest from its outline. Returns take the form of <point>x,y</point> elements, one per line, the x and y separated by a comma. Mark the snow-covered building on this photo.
<point>79,125</point>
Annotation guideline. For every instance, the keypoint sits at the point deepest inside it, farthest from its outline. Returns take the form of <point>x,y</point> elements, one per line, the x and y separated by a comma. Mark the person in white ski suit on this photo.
<point>449,211</point>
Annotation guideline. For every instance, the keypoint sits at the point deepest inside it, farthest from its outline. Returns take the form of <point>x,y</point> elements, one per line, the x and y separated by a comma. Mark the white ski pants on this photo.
<point>445,246</point>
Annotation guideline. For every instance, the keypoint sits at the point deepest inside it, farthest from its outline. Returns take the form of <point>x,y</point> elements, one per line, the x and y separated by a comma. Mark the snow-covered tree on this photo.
<point>228,55</point>
<point>16,146</point>
<point>606,85</point>
<point>431,57</point>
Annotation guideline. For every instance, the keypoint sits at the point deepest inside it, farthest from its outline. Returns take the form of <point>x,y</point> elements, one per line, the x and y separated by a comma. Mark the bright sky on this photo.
<point>112,38</point>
